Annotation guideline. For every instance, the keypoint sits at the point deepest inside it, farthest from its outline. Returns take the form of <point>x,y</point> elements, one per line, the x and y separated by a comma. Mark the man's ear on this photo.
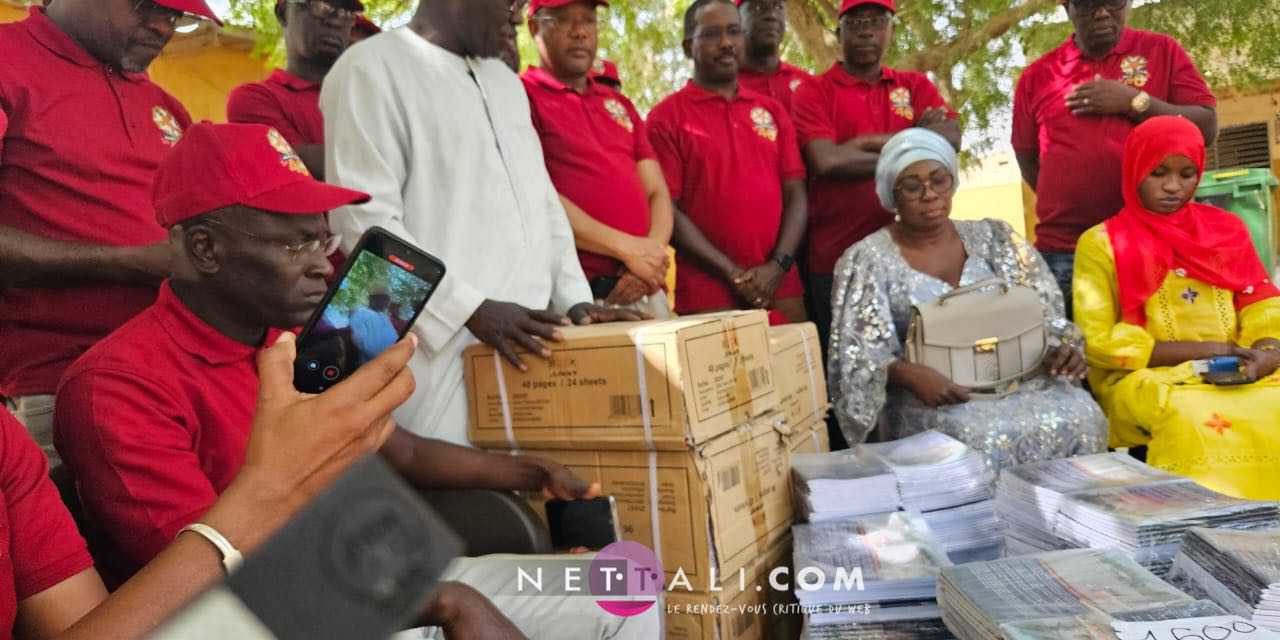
<point>282,12</point>
<point>687,45</point>
<point>198,247</point>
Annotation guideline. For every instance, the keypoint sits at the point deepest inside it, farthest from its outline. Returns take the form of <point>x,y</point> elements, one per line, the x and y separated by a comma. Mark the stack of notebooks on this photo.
<point>842,484</point>
<point>1060,595</point>
<point>1111,501</point>
<point>930,472</point>
<point>879,573</point>
<point>1239,570</point>
<point>936,471</point>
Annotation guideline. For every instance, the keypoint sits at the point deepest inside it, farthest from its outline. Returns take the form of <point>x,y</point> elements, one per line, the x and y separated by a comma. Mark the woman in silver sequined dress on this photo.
<point>918,258</point>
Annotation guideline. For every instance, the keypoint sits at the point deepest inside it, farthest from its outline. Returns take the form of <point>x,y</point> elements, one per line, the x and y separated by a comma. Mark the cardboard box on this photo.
<point>797,371</point>
<point>720,506</point>
<point>746,610</point>
<point>809,437</point>
<point>702,376</point>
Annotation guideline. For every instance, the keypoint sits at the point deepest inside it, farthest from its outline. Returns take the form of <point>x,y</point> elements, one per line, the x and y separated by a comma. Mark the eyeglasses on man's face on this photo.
<point>872,23</point>
<point>151,13</point>
<point>324,10</point>
<point>326,245</point>
<point>1092,6</point>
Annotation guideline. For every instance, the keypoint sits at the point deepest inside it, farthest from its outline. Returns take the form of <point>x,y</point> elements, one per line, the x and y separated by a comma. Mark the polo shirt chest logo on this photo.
<point>170,130</point>
<point>900,100</point>
<point>795,84</point>
<point>619,114</point>
<point>288,157</point>
<point>1135,71</point>
<point>764,124</point>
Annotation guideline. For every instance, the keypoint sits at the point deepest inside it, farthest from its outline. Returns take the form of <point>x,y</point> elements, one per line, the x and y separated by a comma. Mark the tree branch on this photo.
<point>972,41</point>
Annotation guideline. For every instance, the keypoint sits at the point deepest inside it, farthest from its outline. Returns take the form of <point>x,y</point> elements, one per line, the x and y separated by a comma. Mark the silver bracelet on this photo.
<point>231,557</point>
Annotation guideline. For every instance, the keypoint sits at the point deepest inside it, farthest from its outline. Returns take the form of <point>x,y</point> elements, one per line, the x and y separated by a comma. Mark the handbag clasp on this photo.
<point>986,345</point>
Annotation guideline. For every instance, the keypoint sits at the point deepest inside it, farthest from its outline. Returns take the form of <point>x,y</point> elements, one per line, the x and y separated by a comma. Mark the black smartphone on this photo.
<point>380,293</point>
<point>590,524</point>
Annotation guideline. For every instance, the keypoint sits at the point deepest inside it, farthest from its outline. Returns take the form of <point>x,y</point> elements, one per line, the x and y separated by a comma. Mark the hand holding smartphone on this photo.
<point>579,524</point>
<point>380,293</point>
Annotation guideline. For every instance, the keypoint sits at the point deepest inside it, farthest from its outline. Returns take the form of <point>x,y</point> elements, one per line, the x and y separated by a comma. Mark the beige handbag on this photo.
<point>987,336</point>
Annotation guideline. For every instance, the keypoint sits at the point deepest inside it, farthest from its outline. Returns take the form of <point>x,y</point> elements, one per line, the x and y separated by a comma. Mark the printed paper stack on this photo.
<point>1110,501</point>
<point>842,484</point>
<point>1239,570</point>
<point>1060,595</point>
<point>871,573</point>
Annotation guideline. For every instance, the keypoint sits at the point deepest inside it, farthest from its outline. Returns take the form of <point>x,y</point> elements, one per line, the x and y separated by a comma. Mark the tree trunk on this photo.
<point>812,24</point>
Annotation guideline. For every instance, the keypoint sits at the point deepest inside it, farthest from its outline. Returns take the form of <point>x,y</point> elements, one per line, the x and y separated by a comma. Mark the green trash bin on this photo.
<point>1246,193</point>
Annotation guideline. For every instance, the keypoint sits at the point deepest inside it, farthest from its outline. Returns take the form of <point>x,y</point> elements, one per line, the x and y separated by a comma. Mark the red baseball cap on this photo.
<point>193,7</point>
<point>848,5</point>
<point>220,165</point>
<point>535,5</point>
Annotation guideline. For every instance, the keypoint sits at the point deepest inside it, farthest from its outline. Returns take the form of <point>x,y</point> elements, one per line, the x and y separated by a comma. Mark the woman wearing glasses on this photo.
<point>921,256</point>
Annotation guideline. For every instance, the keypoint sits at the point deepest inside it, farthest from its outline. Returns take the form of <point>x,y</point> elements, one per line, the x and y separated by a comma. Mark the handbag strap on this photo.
<point>989,282</point>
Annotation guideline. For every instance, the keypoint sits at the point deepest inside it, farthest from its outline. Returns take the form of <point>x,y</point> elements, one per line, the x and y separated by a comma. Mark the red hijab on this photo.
<point>1209,244</point>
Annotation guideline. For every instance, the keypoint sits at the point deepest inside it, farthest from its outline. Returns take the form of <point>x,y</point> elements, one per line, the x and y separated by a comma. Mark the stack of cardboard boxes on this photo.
<point>687,424</point>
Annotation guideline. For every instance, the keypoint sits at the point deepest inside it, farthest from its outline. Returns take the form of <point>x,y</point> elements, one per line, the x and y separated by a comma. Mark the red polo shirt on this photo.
<point>287,102</point>
<point>1080,157</point>
<point>41,545</point>
<point>592,142</point>
<point>153,422</point>
<point>725,162</point>
<point>780,85</point>
<point>838,107</point>
<point>82,144</point>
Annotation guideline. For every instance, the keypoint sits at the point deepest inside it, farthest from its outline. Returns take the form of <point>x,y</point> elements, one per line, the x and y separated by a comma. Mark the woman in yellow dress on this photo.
<point>1167,282</point>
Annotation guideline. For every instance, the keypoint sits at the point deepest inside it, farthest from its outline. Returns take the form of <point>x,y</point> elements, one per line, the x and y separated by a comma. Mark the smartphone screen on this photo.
<point>383,288</point>
<point>590,524</point>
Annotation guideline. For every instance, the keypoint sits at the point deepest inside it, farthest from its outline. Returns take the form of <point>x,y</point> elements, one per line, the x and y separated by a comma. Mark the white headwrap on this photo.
<point>905,149</point>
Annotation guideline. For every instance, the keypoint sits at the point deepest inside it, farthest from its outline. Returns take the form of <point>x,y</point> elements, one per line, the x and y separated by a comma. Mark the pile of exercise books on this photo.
<point>1239,570</point>
<point>930,472</point>
<point>935,471</point>
<point>1111,501</point>
<point>842,484</point>
<point>877,573</point>
<point>968,533</point>
<point>1059,595</point>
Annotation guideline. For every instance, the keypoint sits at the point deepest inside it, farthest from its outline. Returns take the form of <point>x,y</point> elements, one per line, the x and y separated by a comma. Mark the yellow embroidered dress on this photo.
<point>1225,438</point>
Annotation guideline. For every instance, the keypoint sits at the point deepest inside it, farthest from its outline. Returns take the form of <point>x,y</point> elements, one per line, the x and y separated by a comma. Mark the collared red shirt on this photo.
<point>153,422</point>
<point>780,85</point>
<point>285,101</point>
<point>592,142</point>
<point>725,162</point>
<point>839,107</point>
<point>447,148</point>
<point>82,145</point>
<point>1080,156</point>
<point>41,544</point>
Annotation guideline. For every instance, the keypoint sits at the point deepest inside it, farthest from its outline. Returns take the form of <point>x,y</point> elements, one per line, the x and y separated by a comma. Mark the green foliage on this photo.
<point>370,271</point>
<point>974,49</point>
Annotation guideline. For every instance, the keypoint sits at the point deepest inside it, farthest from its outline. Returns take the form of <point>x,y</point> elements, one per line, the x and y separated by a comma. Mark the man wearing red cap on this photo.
<point>844,117</point>
<point>734,170</point>
<point>600,159</point>
<point>1075,106</point>
<point>154,420</point>
<point>429,120</point>
<point>80,251</point>
<point>316,32</point>
<point>763,71</point>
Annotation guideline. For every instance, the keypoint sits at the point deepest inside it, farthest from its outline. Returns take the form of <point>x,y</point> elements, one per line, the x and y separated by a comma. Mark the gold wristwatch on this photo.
<point>1140,103</point>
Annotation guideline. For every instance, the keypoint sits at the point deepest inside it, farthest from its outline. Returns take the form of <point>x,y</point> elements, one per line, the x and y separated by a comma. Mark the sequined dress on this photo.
<point>875,291</point>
